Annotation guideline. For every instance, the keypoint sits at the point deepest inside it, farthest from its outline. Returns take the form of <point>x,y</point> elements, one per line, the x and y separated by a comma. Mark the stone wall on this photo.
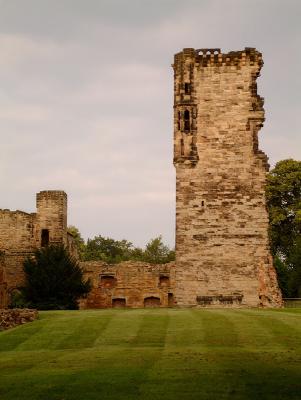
<point>17,230</point>
<point>12,318</point>
<point>129,284</point>
<point>21,233</point>
<point>3,284</point>
<point>222,249</point>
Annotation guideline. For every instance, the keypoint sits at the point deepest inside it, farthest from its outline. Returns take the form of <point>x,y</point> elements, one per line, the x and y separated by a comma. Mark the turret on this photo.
<point>51,227</point>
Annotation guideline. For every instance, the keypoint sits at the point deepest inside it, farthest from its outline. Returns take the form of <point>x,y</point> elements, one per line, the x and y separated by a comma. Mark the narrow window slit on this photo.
<point>44,237</point>
<point>182,147</point>
<point>186,121</point>
<point>187,88</point>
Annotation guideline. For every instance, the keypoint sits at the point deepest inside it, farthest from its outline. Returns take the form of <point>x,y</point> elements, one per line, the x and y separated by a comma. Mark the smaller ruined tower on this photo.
<point>51,220</point>
<point>22,233</point>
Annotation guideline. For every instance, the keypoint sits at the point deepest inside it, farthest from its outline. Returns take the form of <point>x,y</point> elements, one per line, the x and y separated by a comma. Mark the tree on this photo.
<point>115,251</point>
<point>294,268</point>
<point>108,250</point>
<point>53,279</point>
<point>283,275</point>
<point>156,252</point>
<point>79,241</point>
<point>284,205</point>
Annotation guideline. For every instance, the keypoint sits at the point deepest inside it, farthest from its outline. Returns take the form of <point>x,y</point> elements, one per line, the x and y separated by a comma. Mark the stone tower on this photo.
<point>222,249</point>
<point>51,220</point>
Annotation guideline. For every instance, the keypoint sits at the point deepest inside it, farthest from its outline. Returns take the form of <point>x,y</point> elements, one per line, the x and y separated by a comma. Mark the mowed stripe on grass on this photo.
<point>153,354</point>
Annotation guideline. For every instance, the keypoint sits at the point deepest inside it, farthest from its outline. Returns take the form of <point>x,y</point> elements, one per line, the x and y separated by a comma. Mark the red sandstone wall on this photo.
<point>129,284</point>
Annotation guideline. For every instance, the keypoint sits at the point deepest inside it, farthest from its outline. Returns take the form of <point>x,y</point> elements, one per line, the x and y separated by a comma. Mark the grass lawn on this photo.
<point>154,354</point>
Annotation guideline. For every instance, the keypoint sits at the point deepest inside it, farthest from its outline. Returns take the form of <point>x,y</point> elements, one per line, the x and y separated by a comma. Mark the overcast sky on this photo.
<point>86,100</point>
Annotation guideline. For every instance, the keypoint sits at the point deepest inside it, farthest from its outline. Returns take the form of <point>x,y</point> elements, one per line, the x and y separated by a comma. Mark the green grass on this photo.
<point>154,354</point>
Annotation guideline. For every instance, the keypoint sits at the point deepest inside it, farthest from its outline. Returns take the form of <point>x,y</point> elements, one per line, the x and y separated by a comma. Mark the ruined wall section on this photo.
<point>17,241</point>
<point>129,284</point>
<point>16,230</point>
<point>22,233</point>
<point>222,249</point>
<point>3,283</point>
<point>71,246</point>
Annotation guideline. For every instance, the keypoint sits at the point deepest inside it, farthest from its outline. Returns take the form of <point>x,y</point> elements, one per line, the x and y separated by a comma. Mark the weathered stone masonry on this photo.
<point>222,249</point>
<point>129,284</point>
<point>21,233</point>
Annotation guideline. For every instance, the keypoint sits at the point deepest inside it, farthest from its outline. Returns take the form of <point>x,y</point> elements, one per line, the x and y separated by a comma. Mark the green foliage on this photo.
<point>18,300</point>
<point>284,205</point>
<point>156,252</point>
<point>108,250</point>
<point>79,241</point>
<point>294,267</point>
<point>114,251</point>
<point>283,274</point>
<point>53,279</point>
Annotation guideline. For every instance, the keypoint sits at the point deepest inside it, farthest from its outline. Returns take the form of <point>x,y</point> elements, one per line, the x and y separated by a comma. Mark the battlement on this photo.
<point>51,194</point>
<point>208,57</point>
<point>230,77</point>
<point>6,211</point>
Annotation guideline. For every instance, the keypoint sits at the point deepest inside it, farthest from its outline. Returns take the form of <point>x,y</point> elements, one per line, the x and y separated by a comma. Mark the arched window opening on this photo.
<point>44,237</point>
<point>186,121</point>
<point>171,300</point>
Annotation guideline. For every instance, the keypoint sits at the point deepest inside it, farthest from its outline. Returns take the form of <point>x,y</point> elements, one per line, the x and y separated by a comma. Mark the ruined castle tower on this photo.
<point>222,249</point>
<point>51,217</point>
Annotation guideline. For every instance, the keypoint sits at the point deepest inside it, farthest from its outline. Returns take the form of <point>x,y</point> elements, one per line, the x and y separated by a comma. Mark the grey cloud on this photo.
<point>86,100</point>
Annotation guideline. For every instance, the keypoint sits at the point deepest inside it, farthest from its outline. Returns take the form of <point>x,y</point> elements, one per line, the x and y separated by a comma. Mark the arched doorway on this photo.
<point>152,301</point>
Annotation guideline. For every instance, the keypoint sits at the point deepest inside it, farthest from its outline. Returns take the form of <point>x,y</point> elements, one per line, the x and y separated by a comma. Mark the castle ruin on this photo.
<point>222,248</point>
<point>21,233</point>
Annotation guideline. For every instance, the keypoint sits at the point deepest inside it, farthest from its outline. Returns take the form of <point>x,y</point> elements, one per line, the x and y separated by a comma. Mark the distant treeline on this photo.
<point>114,251</point>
